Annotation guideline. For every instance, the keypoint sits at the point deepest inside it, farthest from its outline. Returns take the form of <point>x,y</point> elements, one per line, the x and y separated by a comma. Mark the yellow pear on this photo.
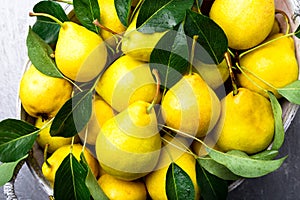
<point>101,112</point>
<point>191,106</point>
<point>109,18</point>
<point>156,180</point>
<point>213,75</point>
<point>125,81</point>
<point>44,136</point>
<point>80,54</point>
<point>275,63</point>
<point>43,95</point>
<point>246,122</point>
<point>276,28</point>
<point>137,44</point>
<point>246,23</point>
<point>128,145</point>
<point>50,167</point>
<point>116,189</point>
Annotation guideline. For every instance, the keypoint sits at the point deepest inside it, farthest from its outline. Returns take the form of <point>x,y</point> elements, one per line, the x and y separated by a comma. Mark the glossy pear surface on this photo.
<point>80,54</point>
<point>128,145</point>
<point>191,106</point>
<point>214,75</point>
<point>109,18</point>
<point>125,81</point>
<point>246,122</point>
<point>42,95</point>
<point>246,23</point>
<point>137,44</point>
<point>275,63</point>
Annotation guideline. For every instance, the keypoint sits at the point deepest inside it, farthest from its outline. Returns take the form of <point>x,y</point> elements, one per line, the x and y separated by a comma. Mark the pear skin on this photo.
<point>137,44</point>
<point>191,106</point>
<point>80,54</point>
<point>246,122</point>
<point>128,145</point>
<point>125,81</point>
<point>245,23</point>
<point>275,63</point>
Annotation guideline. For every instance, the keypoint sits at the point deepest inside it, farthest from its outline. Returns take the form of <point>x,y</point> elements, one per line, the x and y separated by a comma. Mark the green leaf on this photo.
<point>245,166</point>
<point>291,92</point>
<point>123,8</point>
<point>16,139</point>
<point>45,27</point>
<point>212,40</point>
<point>40,53</point>
<point>265,155</point>
<point>216,169</point>
<point>279,130</point>
<point>70,180</point>
<point>86,12</point>
<point>161,15</point>
<point>91,182</point>
<point>7,170</point>
<point>297,32</point>
<point>170,57</point>
<point>178,184</point>
<point>212,187</point>
<point>73,116</point>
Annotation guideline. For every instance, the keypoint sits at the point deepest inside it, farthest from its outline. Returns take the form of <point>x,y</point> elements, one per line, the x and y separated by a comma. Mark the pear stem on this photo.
<point>250,79</point>
<point>158,82</point>
<point>45,155</point>
<point>198,7</point>
<point>182,147</point>
<point>73,83</point>
<point>31,14</point>
<point>135,10</point>
<point>192,137</point>
<point>195,38</point>
<point>232,77</point>
<point>97,23</point>
<point>184,134</point>
<point>265,43</point>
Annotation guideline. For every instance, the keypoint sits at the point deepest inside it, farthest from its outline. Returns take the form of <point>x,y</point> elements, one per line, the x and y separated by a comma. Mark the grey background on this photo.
<point>281,184</point>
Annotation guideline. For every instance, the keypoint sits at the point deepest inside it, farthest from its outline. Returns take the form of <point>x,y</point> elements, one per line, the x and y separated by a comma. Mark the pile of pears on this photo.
<point>133,113</point>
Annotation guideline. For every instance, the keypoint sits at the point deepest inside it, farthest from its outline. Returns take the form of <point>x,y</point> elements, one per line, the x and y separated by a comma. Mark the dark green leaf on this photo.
<point>245,166</point>
<point>7,170</point>
<point>123,8</point>
<point>170,57</point>
<point>73,116</point>
<point>217,169</point>
<point>40,53</point>
<point>178,184</point>
<point>266,155</point>
<point>279,130</point>
<point>45,27</point>
<point>161,15</point>
<point>212,187</point>
<point>86,12</point>
<point>91,182</point>
<point>70,180</point>
<point>297,32</point>
<point>212,40</point>
<point>291,92</point>
<point>16,139</point>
